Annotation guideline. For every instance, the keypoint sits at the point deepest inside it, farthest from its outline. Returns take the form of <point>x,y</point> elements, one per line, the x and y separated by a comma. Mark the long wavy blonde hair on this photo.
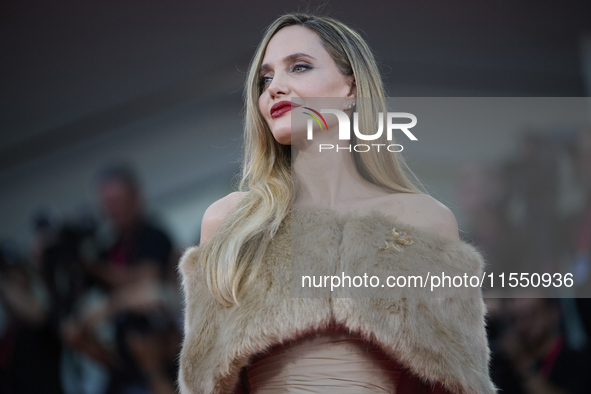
<point>233,255</point>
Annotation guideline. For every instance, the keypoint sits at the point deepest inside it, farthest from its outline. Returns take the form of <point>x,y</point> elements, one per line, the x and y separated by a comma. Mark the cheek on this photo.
<point>262,106</point>
<point>263,103</point>
<point>328,84</point>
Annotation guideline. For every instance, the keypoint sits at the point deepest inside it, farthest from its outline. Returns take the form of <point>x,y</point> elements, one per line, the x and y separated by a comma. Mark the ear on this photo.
<point>353,90</point>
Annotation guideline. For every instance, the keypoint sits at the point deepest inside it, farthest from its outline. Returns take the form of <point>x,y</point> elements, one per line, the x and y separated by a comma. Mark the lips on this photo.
<point>281,108</point>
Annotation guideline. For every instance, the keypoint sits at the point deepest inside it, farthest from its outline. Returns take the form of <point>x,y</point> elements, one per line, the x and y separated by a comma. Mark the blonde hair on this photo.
<point>232,257</point>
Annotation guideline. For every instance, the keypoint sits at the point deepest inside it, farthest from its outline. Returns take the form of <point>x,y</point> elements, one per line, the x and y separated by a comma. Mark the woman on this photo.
<point>244,329</point>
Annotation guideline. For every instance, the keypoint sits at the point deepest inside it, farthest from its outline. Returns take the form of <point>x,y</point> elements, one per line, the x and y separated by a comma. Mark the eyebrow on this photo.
<point>287,59</point>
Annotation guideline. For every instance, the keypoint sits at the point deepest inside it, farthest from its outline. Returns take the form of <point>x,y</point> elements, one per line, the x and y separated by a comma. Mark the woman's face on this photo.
<point>295,66</point>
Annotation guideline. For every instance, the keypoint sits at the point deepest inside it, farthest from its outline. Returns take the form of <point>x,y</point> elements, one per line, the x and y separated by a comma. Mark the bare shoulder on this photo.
<point>426,212</point>
<point>217,212</point>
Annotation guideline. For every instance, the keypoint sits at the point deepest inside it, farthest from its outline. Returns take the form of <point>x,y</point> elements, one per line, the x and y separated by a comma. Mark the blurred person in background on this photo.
<point>132,330</point>
<point>140,251</point>
<point>483,197</point>
<point>516,223</point>
<point>574,237</point>
<point>532,181</point>
<point>580,227</point>
<point>29,345</point>
<point>535,346</point>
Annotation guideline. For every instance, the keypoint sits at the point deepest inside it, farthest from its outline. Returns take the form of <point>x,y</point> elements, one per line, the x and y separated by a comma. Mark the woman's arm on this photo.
<point>424,212</point>
<point>442,220</point>
<point>216,213</point>
<point>200,309</point>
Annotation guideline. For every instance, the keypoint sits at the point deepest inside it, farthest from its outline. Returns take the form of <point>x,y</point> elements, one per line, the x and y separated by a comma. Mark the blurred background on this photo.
<point>121,124</point>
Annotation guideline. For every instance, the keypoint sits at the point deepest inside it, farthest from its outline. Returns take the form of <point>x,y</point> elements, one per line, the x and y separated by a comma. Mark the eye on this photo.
<point>264,81</point>
<point>299,67</point>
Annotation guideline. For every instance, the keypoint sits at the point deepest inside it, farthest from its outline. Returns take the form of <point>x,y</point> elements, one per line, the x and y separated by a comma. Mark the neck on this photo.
<point>329,178</point>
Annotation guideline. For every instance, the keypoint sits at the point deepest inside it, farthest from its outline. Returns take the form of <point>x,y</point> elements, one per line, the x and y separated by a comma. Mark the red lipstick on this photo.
<point>281,108</point>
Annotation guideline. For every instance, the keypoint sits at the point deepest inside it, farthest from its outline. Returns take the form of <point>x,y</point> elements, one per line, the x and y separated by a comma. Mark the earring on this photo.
<point>350,105</point>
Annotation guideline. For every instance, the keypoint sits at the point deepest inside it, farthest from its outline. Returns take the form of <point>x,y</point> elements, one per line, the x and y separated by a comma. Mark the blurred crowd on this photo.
<point>521,216</point>
<point>93,309</point>
<point>99,312</point>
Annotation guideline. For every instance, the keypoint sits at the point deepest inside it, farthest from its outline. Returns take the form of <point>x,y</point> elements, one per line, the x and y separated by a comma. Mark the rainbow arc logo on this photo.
<point>316,119</point>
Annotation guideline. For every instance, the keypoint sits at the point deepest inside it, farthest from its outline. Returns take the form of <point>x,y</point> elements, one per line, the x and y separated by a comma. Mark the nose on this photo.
<point>278,87</point>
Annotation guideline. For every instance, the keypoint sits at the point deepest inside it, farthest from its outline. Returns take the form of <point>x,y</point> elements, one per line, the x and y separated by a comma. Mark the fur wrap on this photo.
<point>438,339</point>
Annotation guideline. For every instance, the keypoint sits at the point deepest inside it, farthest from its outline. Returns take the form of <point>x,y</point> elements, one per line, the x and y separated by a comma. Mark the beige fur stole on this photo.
<point>439,339</point>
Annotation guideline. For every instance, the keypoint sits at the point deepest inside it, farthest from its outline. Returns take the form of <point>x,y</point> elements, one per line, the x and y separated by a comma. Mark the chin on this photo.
<point>283,139</point>
<point>283,136</point>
